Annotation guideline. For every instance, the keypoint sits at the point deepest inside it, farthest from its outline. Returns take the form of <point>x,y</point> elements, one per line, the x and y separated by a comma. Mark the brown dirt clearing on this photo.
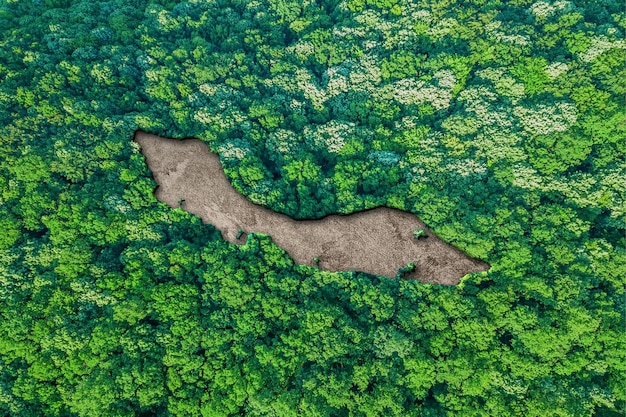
<point>376,241</point>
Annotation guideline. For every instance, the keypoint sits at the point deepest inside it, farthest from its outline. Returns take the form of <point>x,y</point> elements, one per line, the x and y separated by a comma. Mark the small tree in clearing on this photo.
<point>419,233</point>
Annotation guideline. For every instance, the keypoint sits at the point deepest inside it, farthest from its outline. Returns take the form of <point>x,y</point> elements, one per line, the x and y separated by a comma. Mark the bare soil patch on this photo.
<point>377,241</point>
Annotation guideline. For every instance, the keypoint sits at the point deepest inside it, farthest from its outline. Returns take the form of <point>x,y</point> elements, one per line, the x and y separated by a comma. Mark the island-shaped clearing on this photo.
<point>377,241</point>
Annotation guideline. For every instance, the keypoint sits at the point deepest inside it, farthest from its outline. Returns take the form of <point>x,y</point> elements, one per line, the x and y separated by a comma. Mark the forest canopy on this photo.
<point>501,124</point>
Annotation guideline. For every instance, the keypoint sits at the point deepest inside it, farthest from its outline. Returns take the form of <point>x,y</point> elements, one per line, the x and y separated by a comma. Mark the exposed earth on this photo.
<point>377,241</point>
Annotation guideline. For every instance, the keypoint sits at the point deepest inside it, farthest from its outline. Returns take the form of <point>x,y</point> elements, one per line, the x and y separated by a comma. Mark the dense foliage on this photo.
<point>500,123</point>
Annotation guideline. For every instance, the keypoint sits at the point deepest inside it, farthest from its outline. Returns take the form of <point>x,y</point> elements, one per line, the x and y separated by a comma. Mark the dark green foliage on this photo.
<point>408,268</point>
<point>501,124</point>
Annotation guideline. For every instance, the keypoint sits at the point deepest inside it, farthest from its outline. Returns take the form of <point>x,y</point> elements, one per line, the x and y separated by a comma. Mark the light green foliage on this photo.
<point>419,233</point>
<point>500,124</point>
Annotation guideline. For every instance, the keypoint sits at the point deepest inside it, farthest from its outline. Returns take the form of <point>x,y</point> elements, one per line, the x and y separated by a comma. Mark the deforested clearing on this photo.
<point>378,241</point>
